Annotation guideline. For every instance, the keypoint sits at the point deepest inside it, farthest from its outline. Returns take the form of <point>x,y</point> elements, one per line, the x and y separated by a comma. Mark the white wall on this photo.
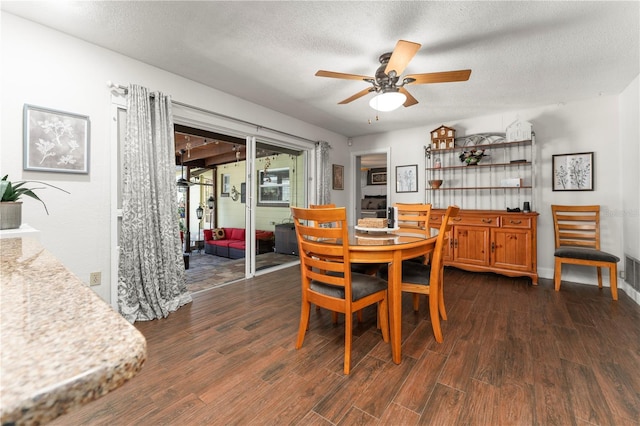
<point>50,69</point>
<point>590,125</point>
<point>630,174</point>
<point>630,162</point>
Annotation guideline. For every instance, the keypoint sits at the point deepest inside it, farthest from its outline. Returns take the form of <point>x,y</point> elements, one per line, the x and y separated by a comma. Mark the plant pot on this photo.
<point>10,214</point>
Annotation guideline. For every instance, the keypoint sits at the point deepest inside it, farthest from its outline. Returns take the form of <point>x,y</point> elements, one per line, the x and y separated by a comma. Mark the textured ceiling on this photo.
<point>523,54</point>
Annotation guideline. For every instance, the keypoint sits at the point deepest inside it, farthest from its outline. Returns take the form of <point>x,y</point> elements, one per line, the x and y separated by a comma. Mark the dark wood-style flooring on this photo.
<point>513,354</point>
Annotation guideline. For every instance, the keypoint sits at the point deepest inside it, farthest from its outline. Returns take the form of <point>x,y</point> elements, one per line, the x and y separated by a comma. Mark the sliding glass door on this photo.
<point>276,180</point>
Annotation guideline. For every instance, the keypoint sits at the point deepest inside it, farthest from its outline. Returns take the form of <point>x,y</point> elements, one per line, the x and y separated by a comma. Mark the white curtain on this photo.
<point>324,173</point>
<point>151,277</point>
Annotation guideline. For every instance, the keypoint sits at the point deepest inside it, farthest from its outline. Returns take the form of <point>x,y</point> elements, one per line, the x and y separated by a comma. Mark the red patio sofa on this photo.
<point>232,244</point>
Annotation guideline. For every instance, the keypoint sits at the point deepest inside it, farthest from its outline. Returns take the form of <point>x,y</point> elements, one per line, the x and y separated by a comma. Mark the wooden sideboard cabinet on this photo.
<point>492,241</point>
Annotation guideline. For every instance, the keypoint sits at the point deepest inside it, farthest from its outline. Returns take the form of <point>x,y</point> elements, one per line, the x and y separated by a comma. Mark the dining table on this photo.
<point>392,247</point>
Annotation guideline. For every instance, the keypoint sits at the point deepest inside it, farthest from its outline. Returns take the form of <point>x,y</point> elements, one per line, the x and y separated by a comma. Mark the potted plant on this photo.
<point>10,204</point>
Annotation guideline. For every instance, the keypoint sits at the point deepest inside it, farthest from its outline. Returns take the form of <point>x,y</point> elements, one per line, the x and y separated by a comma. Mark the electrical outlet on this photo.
<point>95,278</point>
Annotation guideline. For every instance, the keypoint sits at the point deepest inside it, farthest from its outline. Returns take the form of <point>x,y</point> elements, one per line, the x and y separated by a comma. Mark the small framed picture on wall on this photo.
<point>338,176</point>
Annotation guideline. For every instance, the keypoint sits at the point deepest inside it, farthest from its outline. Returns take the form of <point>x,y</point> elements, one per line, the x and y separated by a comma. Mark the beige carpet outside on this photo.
<point>207,271</point>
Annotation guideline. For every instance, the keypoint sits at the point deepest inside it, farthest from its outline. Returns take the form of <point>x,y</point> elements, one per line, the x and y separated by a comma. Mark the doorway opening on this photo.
<point>240,193</point>
<point>372,188</point>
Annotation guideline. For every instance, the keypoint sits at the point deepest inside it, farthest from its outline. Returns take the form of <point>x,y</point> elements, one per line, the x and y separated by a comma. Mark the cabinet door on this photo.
<point>447,249</point>
<point>511,249</point>
<point>471,245</point>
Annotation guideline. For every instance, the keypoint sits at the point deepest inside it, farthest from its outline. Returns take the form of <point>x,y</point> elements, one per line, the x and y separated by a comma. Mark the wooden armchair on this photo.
<point>327,280</point>
<point>577,241</point>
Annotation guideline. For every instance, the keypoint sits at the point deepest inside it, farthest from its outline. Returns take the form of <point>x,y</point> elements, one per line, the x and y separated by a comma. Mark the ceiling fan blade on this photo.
<point>344,76</point>
<point>357,95</point>
<point>410,99</point>
<point>440,77</point>
<point>402,54</point>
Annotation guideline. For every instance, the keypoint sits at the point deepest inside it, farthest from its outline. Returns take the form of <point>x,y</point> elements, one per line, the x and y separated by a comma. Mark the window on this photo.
<point>273,187</point>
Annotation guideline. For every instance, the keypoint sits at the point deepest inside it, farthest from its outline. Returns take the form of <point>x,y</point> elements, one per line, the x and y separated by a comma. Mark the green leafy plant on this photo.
<point>14,191</point>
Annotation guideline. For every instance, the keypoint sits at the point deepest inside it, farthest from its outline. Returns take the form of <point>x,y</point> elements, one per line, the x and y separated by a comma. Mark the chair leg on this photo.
<point>599,276</point>
<point>557,273</point>
<point>359,315</point>
<point>433,311</point>
<point>443,311</point>
<point>383,319</point>
<point>416,302</point>
<point>348,321</point>
<point>613,279</point>
<point>334,317</point>
<point>305,310</point>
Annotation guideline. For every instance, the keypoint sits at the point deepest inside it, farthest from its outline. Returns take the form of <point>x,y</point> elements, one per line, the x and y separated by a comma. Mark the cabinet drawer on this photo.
<point>484,220</point>
<point>516,222</point>
<point>435,221</point>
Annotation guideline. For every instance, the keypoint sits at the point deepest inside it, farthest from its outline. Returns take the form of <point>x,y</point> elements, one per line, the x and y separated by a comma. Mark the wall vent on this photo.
<point>632,271</point>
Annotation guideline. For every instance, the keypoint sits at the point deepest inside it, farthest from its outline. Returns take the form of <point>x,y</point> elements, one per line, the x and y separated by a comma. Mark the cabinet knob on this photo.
<point>484,220</point>
<point>457,219</point>
<point>516,222</point>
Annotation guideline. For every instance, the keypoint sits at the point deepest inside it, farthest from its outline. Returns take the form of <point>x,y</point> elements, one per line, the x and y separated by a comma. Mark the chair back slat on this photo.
<point>576,226</point>
<point>414,218</point>
<point>324,206</point>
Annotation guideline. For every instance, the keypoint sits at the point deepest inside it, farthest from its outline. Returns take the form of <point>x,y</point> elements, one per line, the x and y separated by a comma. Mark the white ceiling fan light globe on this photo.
<point>387,101</point>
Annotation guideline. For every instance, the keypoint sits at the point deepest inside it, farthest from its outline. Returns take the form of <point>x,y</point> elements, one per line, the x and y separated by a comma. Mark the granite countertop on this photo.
<point>61,344</point>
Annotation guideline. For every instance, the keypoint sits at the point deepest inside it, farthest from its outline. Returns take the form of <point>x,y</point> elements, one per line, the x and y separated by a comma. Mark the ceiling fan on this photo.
<point>387,83</point>
<point>182,183</point>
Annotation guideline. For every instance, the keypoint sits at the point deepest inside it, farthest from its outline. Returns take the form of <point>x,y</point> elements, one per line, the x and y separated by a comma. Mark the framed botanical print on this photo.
<point>573,172</point>
<point>55,141</point>
<point>407,178</point>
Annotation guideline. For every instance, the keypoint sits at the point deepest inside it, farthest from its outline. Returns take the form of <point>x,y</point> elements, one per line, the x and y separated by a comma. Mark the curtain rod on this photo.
<point>258,127</point>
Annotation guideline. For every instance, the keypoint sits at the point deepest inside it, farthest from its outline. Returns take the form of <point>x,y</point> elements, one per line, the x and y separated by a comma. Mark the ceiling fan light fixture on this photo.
<point>387,101</point>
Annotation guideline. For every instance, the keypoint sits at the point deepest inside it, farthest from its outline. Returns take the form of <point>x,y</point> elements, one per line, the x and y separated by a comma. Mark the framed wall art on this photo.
<point>225,185</point>
<point>338,176</point>
<point>407,178</point>
<point>573,172</point>
<point>377,177</point>
<point>55,141</point>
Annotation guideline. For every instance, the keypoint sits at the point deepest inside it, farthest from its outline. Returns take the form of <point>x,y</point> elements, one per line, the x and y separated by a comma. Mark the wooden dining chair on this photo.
<point>577,240</point>
<point>327,280</point>
<point>414,218</point>
<point>362,268</point>
<point>420,278</point>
